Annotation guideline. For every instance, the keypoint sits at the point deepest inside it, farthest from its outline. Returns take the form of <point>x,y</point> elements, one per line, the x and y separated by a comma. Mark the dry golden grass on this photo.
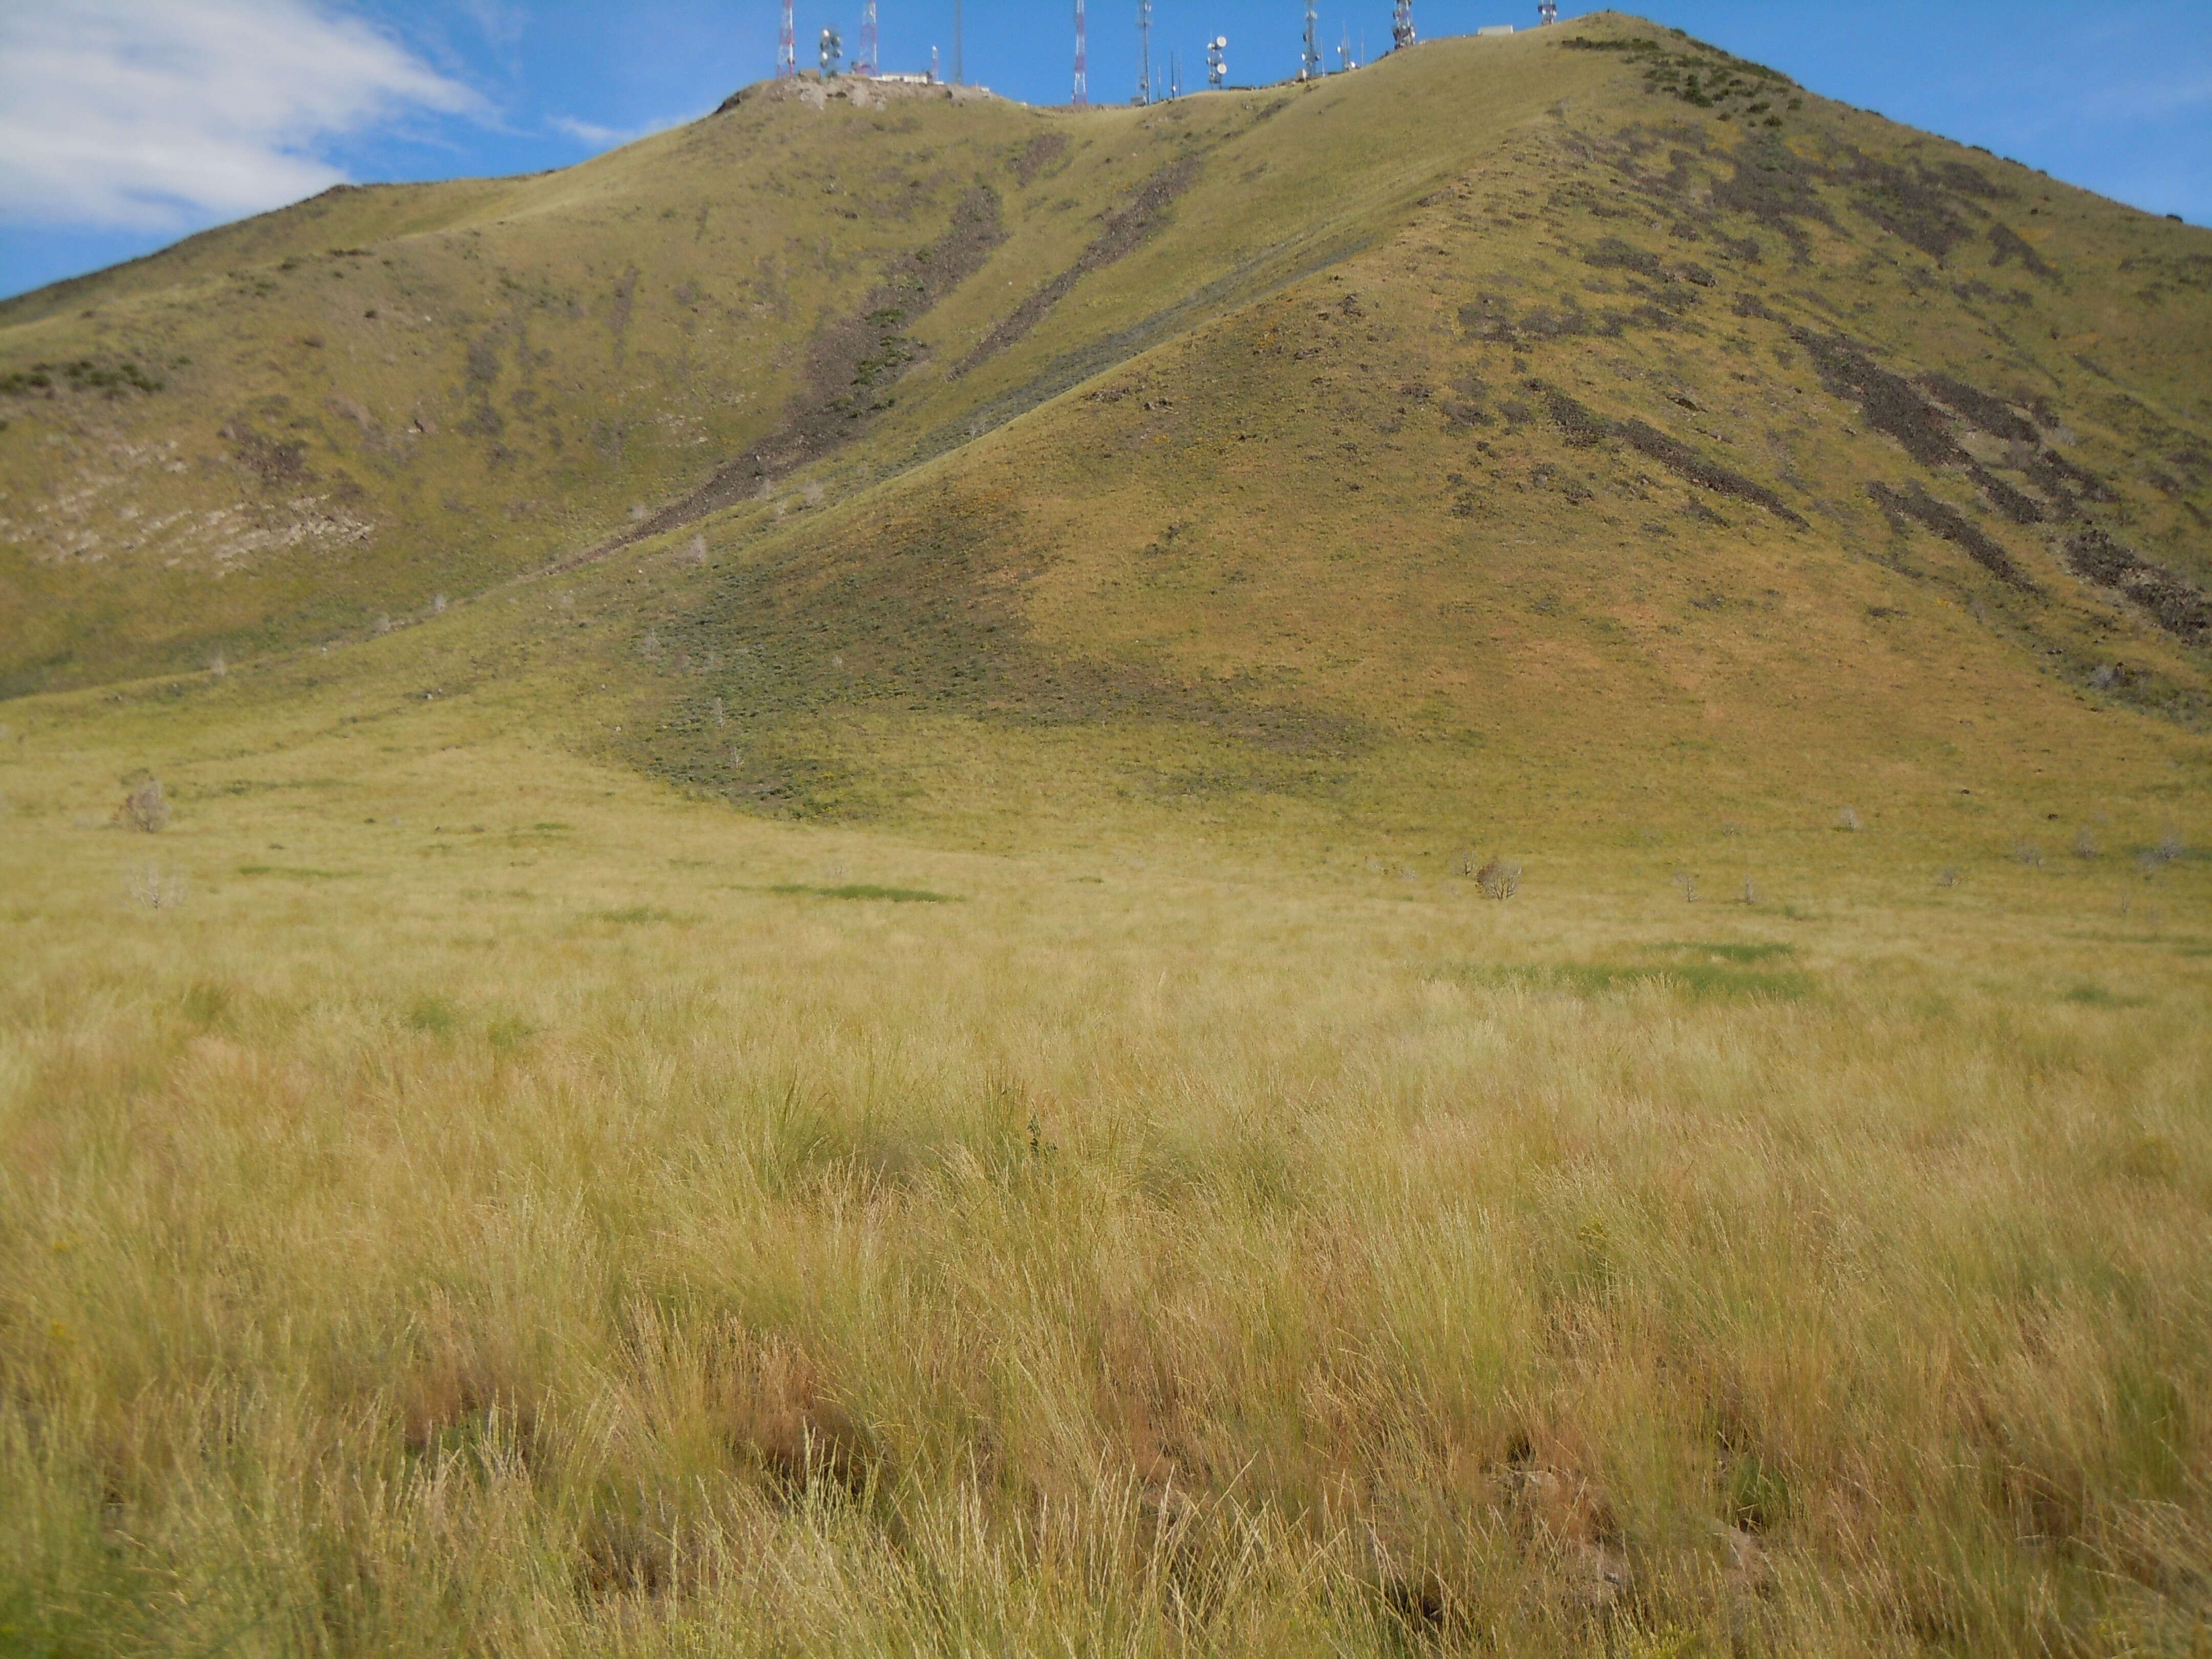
<point>504,1209</point>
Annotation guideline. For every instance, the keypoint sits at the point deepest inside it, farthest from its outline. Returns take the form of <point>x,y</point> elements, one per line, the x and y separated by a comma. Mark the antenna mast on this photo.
<point>1217,60</point>
<point>1144,52</point>
<point>1311,69</point>
<point>833,50</point>
<point>1082,60</point>
<point>1402,25</point>
<point>787,52</point>
<point>959,67</point>
<point>863,61</point>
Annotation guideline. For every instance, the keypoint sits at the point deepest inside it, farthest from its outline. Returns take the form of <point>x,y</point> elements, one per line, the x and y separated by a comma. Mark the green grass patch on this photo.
<point>295,873</point>
<point>509,1033</point>
<point>2096,996</point>
<point>434,1016</point>
<point>862,890</point>
<point>1700,982</point>
<point>1720,951</point>
<point>636,913</point>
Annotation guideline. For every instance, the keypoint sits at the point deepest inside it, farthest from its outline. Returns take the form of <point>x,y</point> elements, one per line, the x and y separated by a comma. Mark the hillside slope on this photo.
<point>1563,407</point>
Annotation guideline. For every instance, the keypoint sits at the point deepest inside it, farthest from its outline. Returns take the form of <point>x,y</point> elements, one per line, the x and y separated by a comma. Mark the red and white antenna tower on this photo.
<point>787,49</point>
<point>1082,60</point>
<point>865,63</point>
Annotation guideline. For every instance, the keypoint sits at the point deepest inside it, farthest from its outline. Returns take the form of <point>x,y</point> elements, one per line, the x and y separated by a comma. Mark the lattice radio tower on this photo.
<point>1311,72</point>
<point>863,61</point>
<point>1402,25</point>
<point>1144,52</point>
<point>787,49</point>
<point>1082,59</point>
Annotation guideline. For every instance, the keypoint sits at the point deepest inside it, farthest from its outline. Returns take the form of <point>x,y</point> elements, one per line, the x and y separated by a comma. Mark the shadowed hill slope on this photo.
<point>1570,406</point>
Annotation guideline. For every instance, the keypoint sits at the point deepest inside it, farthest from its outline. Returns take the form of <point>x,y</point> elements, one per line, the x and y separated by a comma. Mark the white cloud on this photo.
<point>595,137</point>
<point>585,132</point>
<point>160,114</point>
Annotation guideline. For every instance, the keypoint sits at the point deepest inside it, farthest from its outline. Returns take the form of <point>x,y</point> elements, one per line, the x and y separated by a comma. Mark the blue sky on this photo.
<point>126,123</point>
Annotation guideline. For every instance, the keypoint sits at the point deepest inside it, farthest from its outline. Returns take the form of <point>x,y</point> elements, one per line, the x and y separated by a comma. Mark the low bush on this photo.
<point>144,805</point>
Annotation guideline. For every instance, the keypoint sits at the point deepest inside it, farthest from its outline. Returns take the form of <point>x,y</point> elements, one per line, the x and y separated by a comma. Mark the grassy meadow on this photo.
<point>466,1199</point>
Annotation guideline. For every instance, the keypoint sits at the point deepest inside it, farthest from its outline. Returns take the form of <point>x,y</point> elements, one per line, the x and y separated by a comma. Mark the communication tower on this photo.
<point>1175,75</point>
<point>1082,59</point>
<point>959,67</point>
<point>1217,60</point>
<point>1547,11</point>
<point>1310,67</point>
<point>833,51</point>
<point>787,54</point>
<point>863,61</point>
<point>1343,57</point>
<point>1402,25</point>
<point>1144,52</point>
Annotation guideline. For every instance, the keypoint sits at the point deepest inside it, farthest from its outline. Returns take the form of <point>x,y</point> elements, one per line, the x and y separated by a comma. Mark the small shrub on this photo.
<point>1499,879</point>
<point>144,806</point>
<point>438,604</point>
<point>1848,819</point>
<point>1750,892</point>
<point>1688,883</point>
<point>2029,854</point>
<point>1947,877</point>
<point>156,889</point>
<point>382,624</point>
<point>2085,843</point>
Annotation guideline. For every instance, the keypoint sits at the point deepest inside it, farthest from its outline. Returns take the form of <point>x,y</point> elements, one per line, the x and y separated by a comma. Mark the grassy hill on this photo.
<point>1397,424</point>
<point>814,982</point>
